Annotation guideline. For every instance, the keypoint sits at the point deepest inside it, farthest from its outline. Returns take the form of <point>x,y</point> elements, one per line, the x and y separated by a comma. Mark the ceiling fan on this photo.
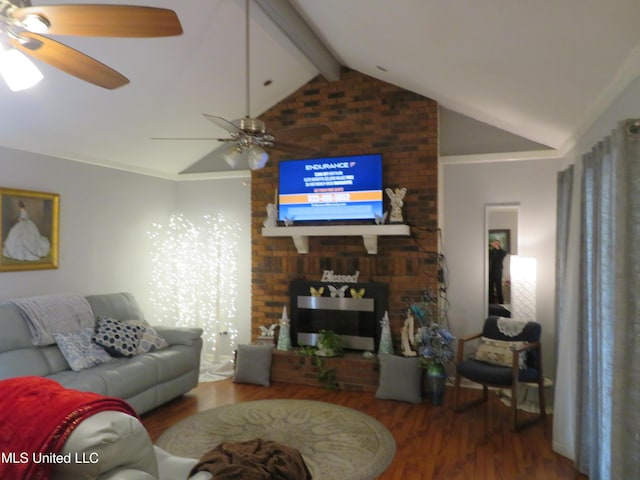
<point>23,27</point>
<point>248,136</point>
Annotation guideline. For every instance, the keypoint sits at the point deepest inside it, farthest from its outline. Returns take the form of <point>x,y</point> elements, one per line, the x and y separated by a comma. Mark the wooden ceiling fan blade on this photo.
<point>69,60</point>
<point>222,123</point>
<point>302,132</point>
<point>295,149</point>
<point>104,20</point>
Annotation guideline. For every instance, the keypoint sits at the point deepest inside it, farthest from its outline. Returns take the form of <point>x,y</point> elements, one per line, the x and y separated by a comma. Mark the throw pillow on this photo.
<point>79,350</point>
<point>253,364</point>
<point>149,338</point>
<point>500,352</point>
<point>400,378</point>
<point>118,338</point>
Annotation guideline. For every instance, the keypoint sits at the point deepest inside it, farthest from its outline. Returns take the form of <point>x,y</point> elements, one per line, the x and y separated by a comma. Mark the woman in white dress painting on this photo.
<point>24,241</point>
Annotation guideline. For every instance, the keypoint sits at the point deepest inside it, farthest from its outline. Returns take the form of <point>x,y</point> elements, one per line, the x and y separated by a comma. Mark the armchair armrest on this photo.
<point>515,363</point>
<point>179,335</point>
<point>461,343</point>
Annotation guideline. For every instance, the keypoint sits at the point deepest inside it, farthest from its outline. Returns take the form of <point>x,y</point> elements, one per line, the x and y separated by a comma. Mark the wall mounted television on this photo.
<point>330,188</point>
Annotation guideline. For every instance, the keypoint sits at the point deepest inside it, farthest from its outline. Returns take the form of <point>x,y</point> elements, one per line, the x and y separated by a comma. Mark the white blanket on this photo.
<point>49,314</point>
<point>511,327</point>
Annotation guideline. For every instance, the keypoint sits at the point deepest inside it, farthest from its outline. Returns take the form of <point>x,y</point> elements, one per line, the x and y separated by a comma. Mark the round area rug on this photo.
<point>335,442</point>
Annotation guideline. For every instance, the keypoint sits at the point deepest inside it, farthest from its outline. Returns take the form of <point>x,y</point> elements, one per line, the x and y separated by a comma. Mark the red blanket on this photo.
<point>37,416</point>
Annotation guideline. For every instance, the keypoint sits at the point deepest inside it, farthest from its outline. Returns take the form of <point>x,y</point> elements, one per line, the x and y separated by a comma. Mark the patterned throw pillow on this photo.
<point>149,338</point>
<point>120,339</point>
<point>500,352</point>
<point>79,350</point>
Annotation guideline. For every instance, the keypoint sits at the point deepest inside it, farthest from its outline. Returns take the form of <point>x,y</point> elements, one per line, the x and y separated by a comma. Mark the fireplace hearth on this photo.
<point>355,320</point>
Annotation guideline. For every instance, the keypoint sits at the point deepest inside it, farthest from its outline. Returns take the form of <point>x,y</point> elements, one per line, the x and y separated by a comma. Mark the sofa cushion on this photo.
<point>126,377</point>
<point>121,306</point>
<point>169,363</point>
<point>118,338</point>
<point>80,351</point>
<point>15,331</point>
<point>86,380</point>
<point>23,362</point>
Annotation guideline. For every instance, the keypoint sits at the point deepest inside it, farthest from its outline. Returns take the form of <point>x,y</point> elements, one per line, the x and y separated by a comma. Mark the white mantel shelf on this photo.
<point>369,234</point>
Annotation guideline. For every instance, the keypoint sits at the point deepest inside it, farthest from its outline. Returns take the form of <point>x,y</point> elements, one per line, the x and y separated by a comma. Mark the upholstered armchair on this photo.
<point>509,352</point>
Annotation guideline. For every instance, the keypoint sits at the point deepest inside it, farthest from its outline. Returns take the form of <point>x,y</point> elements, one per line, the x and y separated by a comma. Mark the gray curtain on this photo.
<point>607,404</point>
<point>565,190</point>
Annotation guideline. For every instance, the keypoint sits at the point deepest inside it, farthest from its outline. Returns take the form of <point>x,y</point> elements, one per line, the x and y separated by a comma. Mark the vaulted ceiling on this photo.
<point>531,75</point>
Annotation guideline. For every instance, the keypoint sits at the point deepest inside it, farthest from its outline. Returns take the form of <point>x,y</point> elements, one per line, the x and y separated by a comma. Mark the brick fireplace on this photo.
<point>366,115</point>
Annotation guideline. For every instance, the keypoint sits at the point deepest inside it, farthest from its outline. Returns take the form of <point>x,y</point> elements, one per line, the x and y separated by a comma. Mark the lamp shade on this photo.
<point>523,288</point>
<point>232,154</point>
<point>17,70</point>
<point>257,157</point>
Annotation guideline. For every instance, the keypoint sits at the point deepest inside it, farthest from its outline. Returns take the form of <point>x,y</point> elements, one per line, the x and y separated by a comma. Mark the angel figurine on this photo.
<point>397,197</point>
<point>408,336</point>
<point>272,216</point>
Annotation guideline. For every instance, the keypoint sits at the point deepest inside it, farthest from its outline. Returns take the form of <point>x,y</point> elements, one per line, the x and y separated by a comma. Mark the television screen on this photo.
<point>334,188</point>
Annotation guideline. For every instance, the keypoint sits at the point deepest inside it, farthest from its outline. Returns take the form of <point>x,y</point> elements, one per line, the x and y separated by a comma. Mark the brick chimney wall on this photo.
<point>365,115</point>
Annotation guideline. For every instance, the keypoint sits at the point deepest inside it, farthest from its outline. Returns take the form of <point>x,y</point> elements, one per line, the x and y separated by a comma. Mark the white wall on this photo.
<point>232,198</point>
<point>626,105</point>
<point>467,188</point>
<point>104,218</point>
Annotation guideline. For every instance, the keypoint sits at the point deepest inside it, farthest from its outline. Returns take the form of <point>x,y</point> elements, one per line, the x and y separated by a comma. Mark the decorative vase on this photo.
<point>284,337</point>
<point>436,378</point>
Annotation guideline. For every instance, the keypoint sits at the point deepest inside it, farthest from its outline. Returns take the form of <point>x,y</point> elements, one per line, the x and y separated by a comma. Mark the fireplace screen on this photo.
<point>356,320</point>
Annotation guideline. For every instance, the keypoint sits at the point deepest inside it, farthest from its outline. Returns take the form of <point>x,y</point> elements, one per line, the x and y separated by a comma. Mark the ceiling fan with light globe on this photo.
<point>24,29</point>
<point>248,136</point>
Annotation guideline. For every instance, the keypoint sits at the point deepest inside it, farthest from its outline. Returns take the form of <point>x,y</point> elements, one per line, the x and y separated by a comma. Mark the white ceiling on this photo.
<point>541,70</point>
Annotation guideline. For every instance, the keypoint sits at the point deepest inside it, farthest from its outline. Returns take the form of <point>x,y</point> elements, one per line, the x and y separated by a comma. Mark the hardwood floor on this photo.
<point>432,442</point>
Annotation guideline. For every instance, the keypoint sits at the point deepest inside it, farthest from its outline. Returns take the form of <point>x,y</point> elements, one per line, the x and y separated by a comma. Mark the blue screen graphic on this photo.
<point>335,188</point>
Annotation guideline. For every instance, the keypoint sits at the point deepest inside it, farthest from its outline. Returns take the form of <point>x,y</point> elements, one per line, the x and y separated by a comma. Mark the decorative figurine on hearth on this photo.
<point>408,336</point>
<point>380,219</point>
<point>316,292</point>
<point>397,197</point>
<point>272,216</point>
<point>386,344</point>
<point>284,336</point>
<point>338,292</point>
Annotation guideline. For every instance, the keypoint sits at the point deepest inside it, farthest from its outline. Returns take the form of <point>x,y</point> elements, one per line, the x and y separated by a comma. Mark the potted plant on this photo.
<point>329,344</point>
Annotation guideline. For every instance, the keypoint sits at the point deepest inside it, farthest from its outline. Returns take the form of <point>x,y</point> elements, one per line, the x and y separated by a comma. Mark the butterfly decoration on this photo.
<point>268,331</point>
<point>288,221</point>
<point>316,292</point>
<point>338,292</point>
<point>357,293</point>
<point>381,219</point>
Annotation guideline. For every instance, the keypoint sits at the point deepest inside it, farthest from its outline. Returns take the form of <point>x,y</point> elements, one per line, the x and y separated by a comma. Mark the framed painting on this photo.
<point>28,230</point>
<point>503,236</point>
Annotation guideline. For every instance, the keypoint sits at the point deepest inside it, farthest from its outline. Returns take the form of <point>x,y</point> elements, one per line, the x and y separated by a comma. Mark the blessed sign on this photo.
<point>329,276</point>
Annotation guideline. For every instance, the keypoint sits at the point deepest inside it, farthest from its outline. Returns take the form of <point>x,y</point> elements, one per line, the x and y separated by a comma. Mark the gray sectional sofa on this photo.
<point>146,380</point>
